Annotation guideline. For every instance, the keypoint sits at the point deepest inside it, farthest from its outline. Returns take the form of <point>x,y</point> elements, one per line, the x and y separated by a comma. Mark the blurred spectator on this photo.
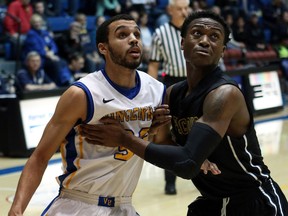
<point>216,9</point>
<point>282,44</point>
<point>239,30</point>
<point>282,29</point>
<point>162,19</point>
<point>271,14</point>
<point>93,61</point>
<point>82,19</point>
<point>203,4</point>
<point>32,77</point>
<point>126,5</point>
<point>255,33</point>
<point>166,15</point>
<point>195,6</point>
<point>233,44</point>
<point>40,9</point>
<point>17,23</point>
<point>146,35</point>
<point>78,39</point>
<point>69,41</point>
<point>107,7</point>
<point>157,13</point>
<point>135,14</point>
<point>39,40</point>
<point>100,20</point>
<point>73,70</point>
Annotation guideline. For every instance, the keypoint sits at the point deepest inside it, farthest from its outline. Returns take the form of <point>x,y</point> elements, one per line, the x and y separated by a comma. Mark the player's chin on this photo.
<point>134,64</point>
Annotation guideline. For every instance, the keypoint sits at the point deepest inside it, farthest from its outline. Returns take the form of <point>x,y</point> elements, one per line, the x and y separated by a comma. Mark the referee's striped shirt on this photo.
<point>166,48</point>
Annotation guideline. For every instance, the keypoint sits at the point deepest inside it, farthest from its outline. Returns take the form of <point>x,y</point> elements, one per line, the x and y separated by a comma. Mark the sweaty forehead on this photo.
<point>207,23</point>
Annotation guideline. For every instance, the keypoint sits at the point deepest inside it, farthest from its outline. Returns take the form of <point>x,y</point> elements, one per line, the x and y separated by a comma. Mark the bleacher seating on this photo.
<point>60,24</point>
<point>235,58</point>
<point>232,58</point>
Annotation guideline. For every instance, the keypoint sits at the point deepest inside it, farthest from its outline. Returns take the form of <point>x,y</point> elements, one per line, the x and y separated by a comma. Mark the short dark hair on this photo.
<point>206,14</point>
<point>74,56</point>
<point>103,30</point>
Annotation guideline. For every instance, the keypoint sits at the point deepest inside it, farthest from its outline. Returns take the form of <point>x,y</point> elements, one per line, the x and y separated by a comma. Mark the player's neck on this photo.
<point>123,77</point>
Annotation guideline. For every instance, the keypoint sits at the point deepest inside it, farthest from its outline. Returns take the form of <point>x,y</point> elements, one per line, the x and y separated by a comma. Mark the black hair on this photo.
<point>103,30</point>
<point>206,14</point>
<point>75,56</point>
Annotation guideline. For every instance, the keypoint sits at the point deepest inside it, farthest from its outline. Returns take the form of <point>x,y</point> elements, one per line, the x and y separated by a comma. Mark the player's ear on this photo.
<point>102,48</point>
<point>224,48</point>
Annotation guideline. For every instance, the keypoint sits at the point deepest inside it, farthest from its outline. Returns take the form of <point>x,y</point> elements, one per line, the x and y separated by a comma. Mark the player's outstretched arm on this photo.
<point>70,108</point>
<point>112,134</point>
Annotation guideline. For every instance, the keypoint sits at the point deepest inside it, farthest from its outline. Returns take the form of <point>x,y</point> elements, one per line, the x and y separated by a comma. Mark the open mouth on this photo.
<point>135,52</point>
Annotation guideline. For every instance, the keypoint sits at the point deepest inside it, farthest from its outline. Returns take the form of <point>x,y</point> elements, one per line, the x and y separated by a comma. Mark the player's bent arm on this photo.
<point>70,108</point>
<point>205,134</point>
<point>185,161</point>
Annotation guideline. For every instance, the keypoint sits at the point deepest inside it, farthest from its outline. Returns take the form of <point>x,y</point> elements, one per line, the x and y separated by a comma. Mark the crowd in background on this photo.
<point>65,56</point>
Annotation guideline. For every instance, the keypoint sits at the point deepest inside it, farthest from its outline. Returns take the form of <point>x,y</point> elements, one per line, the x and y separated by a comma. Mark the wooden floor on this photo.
<point>149,198</point>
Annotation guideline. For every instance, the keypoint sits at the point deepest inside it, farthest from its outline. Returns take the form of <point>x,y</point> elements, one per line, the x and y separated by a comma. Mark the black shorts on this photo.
<point>267,202</point>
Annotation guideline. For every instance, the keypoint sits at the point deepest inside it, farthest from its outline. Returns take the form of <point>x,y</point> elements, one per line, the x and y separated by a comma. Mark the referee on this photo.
<point>167,58</point>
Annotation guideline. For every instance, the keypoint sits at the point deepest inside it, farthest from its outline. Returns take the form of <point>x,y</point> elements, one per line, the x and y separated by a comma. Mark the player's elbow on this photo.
<point>187,169</point>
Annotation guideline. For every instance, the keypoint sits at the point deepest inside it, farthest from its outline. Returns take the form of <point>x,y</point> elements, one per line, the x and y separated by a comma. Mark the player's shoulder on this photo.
<point>92,77</point>
<point>147,81</point>
<point>73,93</point>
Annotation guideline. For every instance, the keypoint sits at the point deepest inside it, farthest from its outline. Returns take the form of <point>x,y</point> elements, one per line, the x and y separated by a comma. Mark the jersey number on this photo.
<point>125,154</point>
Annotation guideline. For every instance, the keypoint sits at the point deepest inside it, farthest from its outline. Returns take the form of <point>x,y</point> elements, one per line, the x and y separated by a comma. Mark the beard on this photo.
<point>117,58</point>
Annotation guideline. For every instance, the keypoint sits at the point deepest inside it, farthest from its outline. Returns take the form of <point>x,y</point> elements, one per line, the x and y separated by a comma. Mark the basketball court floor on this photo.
<point>149,198</point>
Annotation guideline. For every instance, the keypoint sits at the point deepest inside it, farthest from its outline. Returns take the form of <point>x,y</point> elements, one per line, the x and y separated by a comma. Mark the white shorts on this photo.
<point>69,204</point>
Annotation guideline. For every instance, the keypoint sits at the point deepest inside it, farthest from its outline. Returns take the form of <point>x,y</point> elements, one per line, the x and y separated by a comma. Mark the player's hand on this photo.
<point>209,166</point>
<point>110,133</point>
<point>161,117</point>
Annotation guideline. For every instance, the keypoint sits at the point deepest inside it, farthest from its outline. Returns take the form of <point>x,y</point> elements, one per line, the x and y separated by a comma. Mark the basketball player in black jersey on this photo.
<point>211,119</point>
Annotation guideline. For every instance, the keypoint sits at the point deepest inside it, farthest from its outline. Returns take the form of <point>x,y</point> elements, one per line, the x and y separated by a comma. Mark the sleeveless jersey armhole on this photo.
<point>90,106</point>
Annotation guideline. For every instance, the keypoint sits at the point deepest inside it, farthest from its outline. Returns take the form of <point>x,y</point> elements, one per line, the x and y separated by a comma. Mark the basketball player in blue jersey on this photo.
<point>210,119</point>
<point>97,180</point>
